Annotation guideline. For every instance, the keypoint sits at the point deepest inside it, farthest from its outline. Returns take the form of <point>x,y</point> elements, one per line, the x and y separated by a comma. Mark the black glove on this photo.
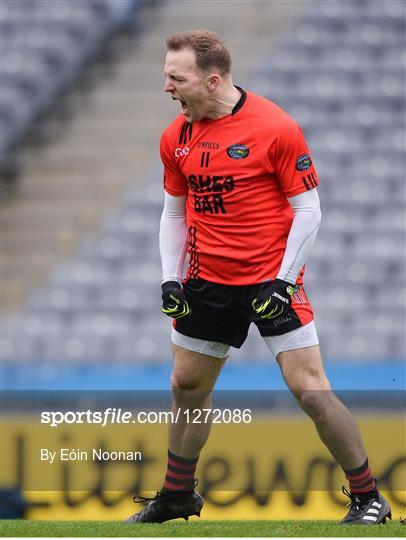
<point>274,299</point>
<point>174,303</point>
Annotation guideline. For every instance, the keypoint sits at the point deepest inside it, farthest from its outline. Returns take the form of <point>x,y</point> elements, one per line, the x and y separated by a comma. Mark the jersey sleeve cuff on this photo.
<point>296,191</point>
<point>175,192</point>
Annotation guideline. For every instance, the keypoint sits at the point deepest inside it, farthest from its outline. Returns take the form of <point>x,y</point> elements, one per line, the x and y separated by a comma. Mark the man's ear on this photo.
<point>212,82</point>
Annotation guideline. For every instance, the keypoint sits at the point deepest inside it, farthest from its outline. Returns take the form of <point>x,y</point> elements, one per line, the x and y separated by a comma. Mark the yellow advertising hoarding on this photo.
<point>274,467</point>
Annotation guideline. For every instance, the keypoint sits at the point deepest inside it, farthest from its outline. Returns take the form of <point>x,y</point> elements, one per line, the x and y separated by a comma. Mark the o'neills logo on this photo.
<point>238,151</point>
<point>208,145</point>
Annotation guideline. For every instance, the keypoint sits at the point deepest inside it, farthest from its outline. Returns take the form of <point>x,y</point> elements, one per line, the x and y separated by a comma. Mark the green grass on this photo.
<point>196,528</point>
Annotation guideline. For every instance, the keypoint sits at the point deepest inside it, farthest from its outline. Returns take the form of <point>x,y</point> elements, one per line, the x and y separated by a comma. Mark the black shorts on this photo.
<point>223,313</point>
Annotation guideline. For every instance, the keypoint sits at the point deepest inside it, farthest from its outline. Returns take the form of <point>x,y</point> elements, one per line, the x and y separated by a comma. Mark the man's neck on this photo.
<point>223,103</point>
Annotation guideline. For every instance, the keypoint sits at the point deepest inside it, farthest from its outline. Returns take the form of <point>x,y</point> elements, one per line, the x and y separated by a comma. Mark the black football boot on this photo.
<point>168,505</point>
<point>368,509</point>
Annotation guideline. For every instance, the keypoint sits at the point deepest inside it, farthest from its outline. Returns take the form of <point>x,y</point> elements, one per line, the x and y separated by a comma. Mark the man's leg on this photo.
<point>193,379</point>
<point>304,374</point>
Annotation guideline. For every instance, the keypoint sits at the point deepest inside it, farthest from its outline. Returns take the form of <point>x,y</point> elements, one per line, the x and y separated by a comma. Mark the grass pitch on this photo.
<point>55,529</point>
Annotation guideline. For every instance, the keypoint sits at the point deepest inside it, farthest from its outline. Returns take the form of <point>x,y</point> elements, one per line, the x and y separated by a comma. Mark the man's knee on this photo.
<point>188,391</point>
<point>185,383</point>
<point>312,391</point>
<point>314,402</point>
<point>193,377</point>
<point>194,372</point>
<point>303,372</point>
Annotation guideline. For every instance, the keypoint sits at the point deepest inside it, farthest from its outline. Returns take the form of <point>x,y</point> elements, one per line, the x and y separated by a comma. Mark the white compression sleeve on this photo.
<point>306,222</point>
<point>172,238</point>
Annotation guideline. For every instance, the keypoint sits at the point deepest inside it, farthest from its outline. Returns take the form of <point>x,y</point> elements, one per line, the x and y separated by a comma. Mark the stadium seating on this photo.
<point>340,73</point>
<point>45,47</point>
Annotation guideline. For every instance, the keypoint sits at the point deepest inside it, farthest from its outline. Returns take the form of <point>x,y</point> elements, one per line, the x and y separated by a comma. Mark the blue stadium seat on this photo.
<point>45,45</point>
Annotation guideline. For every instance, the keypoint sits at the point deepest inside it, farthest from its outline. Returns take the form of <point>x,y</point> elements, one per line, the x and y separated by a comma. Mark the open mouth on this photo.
<point>183,104</point>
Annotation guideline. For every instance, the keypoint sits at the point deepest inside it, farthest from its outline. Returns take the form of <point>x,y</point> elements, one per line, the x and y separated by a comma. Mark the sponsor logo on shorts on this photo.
<point>303,162</point>
<point>281,320</point>
<point>238,151</point>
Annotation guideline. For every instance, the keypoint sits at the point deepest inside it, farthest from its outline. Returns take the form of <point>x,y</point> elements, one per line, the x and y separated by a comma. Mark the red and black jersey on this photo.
<point>237,173</point>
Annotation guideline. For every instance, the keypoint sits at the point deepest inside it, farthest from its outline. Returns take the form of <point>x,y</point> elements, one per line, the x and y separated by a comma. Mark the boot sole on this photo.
<point>382,521</point>
<point>388,515</point>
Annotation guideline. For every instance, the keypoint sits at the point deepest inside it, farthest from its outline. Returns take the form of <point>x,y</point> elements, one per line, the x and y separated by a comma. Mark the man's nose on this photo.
<point>168,87</point>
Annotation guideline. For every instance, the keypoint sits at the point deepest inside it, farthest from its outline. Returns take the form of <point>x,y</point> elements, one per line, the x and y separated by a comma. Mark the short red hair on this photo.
<point>210,51</point>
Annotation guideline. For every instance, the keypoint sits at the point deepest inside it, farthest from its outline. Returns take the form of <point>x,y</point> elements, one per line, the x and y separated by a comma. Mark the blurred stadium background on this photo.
<point>82,108</point>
